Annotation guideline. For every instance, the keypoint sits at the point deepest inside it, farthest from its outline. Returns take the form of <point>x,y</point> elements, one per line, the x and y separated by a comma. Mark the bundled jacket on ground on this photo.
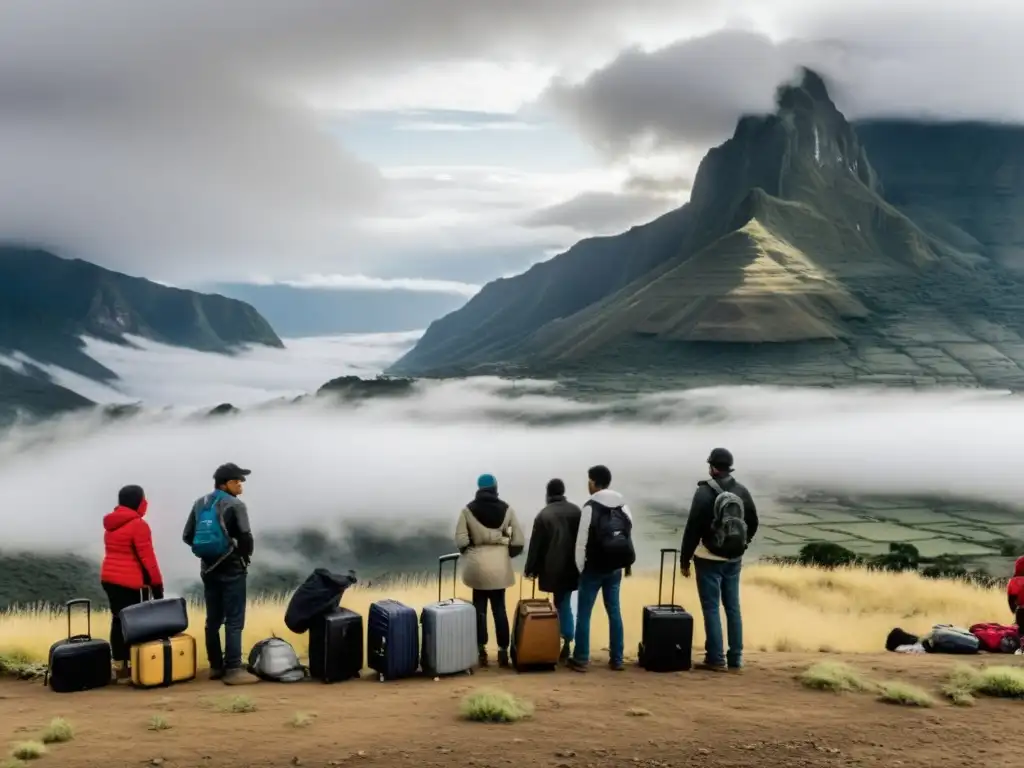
<point>129,559</point>
<point>318,595</point>
<point>696,536</point>
<point>552,545</point>
<point>488,536</point>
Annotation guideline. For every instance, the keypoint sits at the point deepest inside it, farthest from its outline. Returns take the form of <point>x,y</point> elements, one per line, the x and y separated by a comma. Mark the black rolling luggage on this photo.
<point>667,644</point>
<point>153,619</point>
<point>78,663</point>
<point>336,646</point>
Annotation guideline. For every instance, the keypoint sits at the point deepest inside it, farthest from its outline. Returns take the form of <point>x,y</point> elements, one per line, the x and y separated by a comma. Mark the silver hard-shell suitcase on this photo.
<point>449,630</point>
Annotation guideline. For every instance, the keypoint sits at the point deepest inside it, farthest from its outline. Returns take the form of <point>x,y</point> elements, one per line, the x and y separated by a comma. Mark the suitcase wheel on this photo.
<point>381,677</point>
<point>469,671</point>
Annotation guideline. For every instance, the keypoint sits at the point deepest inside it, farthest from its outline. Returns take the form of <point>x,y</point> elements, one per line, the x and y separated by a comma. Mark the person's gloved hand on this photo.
<point>629,570</point>
<point>685,570</point>
<point>158,591</point>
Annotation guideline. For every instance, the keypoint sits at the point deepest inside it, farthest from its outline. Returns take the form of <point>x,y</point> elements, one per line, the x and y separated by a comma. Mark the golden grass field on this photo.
<point>785,609</point>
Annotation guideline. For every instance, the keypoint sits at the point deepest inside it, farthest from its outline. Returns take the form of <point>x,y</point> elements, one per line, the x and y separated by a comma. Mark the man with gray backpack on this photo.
<point>722,523</point>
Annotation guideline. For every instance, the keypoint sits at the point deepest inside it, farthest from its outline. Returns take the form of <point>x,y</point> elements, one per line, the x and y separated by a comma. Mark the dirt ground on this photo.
<point>760,718</point>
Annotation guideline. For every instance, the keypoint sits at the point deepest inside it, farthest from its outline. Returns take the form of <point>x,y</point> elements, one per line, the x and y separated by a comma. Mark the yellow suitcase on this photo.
<point>164,662</point>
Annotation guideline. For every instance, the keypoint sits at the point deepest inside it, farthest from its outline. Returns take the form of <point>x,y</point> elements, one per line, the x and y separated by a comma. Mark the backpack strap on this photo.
<point>714,486</point>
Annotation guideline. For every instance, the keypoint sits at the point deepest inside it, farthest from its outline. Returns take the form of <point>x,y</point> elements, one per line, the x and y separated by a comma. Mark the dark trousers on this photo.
<point>119,598</point>
<point>225,605</point>
<point>496,597</point>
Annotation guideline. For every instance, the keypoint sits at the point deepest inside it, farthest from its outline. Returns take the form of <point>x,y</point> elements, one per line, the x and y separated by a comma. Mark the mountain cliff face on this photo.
<point>47,303</point>
<point>788,265</point>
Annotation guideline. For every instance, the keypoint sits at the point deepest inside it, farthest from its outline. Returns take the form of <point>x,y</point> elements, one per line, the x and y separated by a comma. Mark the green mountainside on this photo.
<point>47,303</point>
<point>789,265</point>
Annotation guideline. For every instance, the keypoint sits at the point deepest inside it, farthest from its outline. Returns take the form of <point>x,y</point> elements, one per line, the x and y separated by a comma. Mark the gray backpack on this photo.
<point>728,535</point>
<point>275,660</point>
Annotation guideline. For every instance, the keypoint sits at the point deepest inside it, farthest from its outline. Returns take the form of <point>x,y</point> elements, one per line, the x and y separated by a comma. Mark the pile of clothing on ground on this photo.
<point>946,638</point>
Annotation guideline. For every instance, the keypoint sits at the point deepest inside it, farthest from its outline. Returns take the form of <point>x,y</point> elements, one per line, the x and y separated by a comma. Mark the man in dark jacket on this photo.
<point>718,572</point>
<point>224,578</point>
<point>552,556</point>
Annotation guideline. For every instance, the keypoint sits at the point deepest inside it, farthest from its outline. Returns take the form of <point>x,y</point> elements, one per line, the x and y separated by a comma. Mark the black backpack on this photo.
<point>612,538</point>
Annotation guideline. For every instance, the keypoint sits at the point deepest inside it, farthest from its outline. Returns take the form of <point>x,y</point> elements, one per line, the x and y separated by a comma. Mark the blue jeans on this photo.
<point>608,585</point>
<point>225,604</point>
<point>563,604</point>
<point>718,584</point>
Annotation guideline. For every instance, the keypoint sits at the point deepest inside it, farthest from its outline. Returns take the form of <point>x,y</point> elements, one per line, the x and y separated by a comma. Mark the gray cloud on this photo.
<point>175,137</point>
<point>601,212</point>
<point>938,60</point>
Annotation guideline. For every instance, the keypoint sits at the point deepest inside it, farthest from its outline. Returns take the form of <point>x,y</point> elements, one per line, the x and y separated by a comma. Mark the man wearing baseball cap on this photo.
<point>722,522</point>
<point>220,536</point>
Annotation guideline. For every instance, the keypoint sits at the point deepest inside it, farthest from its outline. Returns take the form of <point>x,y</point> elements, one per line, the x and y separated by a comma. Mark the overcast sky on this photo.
<point>422,144</point>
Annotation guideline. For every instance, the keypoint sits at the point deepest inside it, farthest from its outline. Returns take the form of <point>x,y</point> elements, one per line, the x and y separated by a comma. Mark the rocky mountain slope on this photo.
<point>790,264</point>
<point>47,303</point>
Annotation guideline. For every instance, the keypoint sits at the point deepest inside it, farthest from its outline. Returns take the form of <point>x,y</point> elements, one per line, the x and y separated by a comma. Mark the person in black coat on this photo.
<point>551,559</point>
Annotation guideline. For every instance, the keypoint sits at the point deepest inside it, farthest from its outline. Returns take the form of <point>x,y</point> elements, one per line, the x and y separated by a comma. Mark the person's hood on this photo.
<point>1018,568</point>
<point>609,498</point>
<point>121,516</point>
<point>556,499</point>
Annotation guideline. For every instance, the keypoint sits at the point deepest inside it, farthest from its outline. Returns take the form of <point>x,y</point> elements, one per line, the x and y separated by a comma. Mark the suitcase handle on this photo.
<point>146,593</point>
<point>533,592</point>
<point>454,559</point>
<point>88,617</point>
<point>661,576</point>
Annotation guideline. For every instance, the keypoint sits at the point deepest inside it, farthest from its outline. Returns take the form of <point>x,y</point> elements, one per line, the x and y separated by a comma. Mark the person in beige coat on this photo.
<point>488,537</point>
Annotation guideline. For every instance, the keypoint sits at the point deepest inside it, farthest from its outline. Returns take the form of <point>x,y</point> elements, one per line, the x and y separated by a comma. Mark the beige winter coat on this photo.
<point>486,561</point>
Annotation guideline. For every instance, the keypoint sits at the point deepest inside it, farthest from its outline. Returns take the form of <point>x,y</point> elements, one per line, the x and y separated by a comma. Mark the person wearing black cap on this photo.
<point>219,534</point>
<point>722,523</point>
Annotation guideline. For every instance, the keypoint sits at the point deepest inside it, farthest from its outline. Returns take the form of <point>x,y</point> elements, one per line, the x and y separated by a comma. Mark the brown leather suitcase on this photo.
<point>536,641</point>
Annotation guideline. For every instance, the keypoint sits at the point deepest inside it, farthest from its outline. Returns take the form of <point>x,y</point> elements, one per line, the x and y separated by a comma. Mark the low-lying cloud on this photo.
<point>411,463</point>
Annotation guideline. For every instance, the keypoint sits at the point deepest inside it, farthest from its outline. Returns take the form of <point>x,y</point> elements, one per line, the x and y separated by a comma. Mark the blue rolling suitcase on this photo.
<point>392,640</point>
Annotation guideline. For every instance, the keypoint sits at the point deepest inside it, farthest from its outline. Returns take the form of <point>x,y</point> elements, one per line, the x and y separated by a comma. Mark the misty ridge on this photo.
<point>377,486</point>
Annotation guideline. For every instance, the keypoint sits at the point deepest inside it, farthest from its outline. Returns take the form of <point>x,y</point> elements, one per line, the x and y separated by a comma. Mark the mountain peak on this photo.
<point>808,90</point>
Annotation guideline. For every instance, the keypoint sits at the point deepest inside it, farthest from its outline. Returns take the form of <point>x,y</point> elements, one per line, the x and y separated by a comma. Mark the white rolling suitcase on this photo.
<point>449,630</point>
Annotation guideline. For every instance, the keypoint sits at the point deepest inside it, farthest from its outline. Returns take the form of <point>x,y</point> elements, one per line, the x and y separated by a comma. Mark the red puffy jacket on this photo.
<point>128,542</point>
<point>1015,587</point>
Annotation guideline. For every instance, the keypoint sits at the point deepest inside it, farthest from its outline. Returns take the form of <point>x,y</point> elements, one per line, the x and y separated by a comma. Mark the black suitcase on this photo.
<point>336,646</point>
<point>153,619</point>
<point>78,663</point>
<point>667,631</point>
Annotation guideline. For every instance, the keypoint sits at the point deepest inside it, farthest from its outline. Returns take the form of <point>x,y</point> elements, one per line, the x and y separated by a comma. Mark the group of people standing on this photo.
<point>130,569</point>
<point>564,558</point>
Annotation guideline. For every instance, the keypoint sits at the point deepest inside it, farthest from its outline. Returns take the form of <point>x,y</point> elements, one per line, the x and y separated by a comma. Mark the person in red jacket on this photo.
<point>129,564</point>
<point>1015,592</point>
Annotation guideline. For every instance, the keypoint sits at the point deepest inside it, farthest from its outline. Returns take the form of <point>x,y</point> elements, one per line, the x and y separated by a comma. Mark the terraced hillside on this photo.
<point>788,265</point>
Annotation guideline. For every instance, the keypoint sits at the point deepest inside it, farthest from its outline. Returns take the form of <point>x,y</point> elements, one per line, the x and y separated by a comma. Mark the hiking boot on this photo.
<point>482,657</point>
<point>122,672</point>
<point>563,657</point>
<point>577,666</point>
<point>735,670</point>
<point>239,676</point>
<point>616,666</point>
<point>216,674</point>
<point>503,658</point>
<point>704,666</point>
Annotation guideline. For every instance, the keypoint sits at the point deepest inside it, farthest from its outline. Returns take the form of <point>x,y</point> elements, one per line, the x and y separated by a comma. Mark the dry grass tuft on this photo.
<point>302,719</point>
<point>905,694</point>
<point>237,705</point>
<point>28,750</point>
<point>158,723</point>
<point>57,732</point>
<point>494,707</point>
<point>834,676</point>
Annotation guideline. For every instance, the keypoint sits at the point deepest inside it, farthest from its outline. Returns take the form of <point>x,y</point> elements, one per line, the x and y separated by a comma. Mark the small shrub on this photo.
<point>301,719</point>
<point>494,707</point>
<point>58,731</point>
<point>1002,682</point>
<point>960,686</point>
<point>895,692</point>
<point>237,705</point>
<point>833,676</point>
<point>28,750</point>
<point>158,723</point>
<point>19,666</point>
